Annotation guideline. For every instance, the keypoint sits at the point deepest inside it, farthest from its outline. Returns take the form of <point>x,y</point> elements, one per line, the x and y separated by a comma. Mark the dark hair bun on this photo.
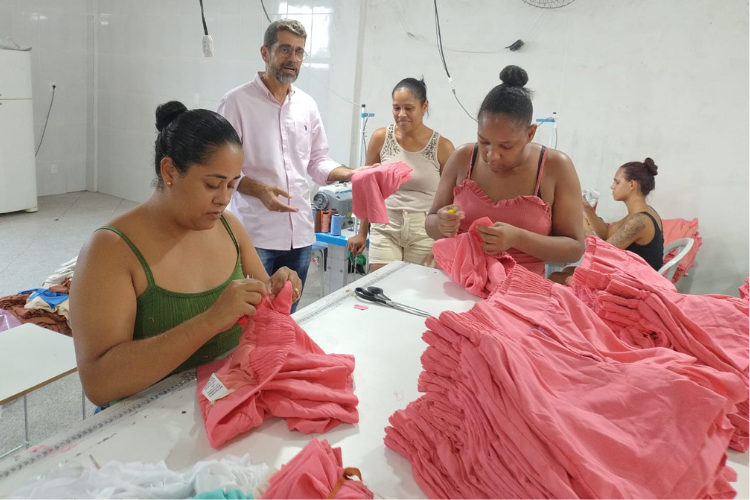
<point>513,76</point>
<point>421,80</point>
<point>650,166</point>
<point>167,112</point>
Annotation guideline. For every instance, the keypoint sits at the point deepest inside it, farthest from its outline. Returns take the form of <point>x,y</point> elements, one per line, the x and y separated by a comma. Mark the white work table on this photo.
<point>32,357</point>
<point>165,423</point>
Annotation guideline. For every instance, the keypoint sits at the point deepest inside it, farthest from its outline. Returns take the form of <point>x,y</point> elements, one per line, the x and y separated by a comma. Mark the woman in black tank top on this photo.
<point>640,231</point>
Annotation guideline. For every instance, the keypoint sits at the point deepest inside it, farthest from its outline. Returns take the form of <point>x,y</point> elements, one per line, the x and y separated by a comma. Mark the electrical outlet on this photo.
<point>52,85</point>
<point>53,168</point>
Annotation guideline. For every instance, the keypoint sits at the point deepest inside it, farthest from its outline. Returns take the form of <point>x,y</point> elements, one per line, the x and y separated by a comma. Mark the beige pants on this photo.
<point>403,238</point>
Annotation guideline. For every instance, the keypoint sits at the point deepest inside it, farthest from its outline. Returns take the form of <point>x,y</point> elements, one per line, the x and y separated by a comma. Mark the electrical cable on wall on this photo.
<point>439,37</point>
<point>329,89</point>
<point>265,11</point>
<point>46,121</point>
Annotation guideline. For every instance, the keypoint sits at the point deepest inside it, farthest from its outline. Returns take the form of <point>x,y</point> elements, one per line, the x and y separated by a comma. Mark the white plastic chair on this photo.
<point>668,269</point>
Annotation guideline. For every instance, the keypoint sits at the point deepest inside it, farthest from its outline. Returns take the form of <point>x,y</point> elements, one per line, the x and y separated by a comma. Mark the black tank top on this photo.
<point>653,251</point>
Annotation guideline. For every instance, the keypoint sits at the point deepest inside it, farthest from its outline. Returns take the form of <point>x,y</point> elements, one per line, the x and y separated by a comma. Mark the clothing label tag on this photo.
<point>215,390</point>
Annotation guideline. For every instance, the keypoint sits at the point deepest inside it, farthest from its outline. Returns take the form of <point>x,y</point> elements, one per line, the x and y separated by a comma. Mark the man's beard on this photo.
<point>282,77</point>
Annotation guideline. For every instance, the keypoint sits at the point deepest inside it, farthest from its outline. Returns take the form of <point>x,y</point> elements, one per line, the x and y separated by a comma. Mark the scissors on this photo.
<point>376,295</point>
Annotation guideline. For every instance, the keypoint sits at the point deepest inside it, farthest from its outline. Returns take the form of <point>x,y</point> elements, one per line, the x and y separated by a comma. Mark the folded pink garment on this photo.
<point>605,258</point>
<point>674,229</point>
<point>644,313</point>
<point>745,289</point>
<point>371,186</point>
<point>530,395</point>
<point>277,370</point>
<point>468,265</point>
<point>316,472</point>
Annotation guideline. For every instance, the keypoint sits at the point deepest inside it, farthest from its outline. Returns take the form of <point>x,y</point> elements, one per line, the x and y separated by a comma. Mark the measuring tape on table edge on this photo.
<point>185,378</point>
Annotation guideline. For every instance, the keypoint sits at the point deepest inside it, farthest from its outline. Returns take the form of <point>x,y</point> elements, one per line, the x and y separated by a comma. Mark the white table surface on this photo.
<point>159,425</point>
<point>31,357</point>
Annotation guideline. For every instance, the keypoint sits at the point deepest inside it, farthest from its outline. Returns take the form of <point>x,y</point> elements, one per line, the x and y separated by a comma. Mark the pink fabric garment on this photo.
<point>711,328</point>
<point>370,188</point>
<point>745,289</point>
<point>603,257</point>
<point>277,370</point>
<point>530,395</point>
<point>674,229</point>
<point>314,473</point>
<point>528,212</point>
<point>468,265</point>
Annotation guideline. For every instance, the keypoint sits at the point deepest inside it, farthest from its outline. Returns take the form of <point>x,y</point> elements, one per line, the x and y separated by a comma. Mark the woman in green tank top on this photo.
<point>160,288</point>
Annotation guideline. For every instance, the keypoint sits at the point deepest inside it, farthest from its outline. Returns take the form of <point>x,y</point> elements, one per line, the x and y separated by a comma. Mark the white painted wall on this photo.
<point>150,52</point>
<point>57,33</point>
<point>628,79</point>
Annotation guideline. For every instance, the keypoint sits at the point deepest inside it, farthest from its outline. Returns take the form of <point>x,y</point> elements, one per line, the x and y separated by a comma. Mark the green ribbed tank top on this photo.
<point>159,310</point>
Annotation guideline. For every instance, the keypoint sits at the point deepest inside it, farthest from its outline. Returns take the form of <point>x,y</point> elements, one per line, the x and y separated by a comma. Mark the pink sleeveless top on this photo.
<point>527,212</point>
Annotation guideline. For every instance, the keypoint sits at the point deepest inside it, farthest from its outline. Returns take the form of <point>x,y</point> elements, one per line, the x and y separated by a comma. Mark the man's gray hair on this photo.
<point>290,25</point>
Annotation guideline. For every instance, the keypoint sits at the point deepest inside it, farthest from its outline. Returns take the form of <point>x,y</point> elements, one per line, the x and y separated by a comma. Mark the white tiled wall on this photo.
<point>628,79</point>
<point>57,33</point>
<point>149,52</point>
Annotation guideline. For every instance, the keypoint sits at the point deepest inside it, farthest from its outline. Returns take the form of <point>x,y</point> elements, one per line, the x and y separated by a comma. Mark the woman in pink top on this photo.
<point>530,192</point>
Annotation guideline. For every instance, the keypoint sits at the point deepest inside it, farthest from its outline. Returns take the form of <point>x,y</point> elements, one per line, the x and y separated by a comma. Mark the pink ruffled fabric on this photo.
<point>316,472</point>
<point>467,264</point>
<point>277,370</point>
<point>371,186</point>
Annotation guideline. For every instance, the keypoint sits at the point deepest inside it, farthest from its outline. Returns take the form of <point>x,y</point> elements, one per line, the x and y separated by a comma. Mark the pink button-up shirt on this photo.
<point>282,143</point>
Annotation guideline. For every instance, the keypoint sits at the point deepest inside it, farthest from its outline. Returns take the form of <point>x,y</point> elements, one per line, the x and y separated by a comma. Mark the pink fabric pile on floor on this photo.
<point>530,394</point>
<point>466,263</point>
<point>644,313</point>
<point>674,229</point>
<point>317,472</point>
<point>371,186</point>
<point>277,370</point>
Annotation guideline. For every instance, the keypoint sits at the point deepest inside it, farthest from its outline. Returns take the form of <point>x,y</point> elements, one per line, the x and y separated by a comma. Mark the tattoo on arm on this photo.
<point>629,231</point>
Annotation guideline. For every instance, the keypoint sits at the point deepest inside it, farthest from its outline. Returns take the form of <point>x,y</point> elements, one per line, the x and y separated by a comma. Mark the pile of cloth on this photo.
<point>533,393</point>
<point>674,229</point>
<point>317,472</point>
<point>230,477</point>
<point>277,370</point>
<point>47,306</point>
<point>644,310</point>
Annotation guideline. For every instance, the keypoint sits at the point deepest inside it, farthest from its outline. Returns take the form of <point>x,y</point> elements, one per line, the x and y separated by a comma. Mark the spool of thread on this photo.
<point>336,225</point>
<point>325,221</point>
<point>318,223</point>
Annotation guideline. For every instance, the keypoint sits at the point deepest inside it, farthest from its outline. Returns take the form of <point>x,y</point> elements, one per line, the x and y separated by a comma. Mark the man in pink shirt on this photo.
<point>283,139</point>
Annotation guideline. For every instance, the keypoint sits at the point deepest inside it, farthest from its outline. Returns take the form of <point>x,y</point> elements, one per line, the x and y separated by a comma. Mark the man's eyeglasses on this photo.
<point>287,50</point>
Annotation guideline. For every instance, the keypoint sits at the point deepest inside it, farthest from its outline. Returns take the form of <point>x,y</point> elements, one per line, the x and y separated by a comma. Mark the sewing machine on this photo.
<point>337,197</point>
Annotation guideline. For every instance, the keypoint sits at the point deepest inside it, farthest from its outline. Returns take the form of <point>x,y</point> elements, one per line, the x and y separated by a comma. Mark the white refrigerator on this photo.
<point>17,163</point>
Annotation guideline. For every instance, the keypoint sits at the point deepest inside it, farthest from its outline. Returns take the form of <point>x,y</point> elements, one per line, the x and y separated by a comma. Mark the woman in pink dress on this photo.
<point>530,192</point>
